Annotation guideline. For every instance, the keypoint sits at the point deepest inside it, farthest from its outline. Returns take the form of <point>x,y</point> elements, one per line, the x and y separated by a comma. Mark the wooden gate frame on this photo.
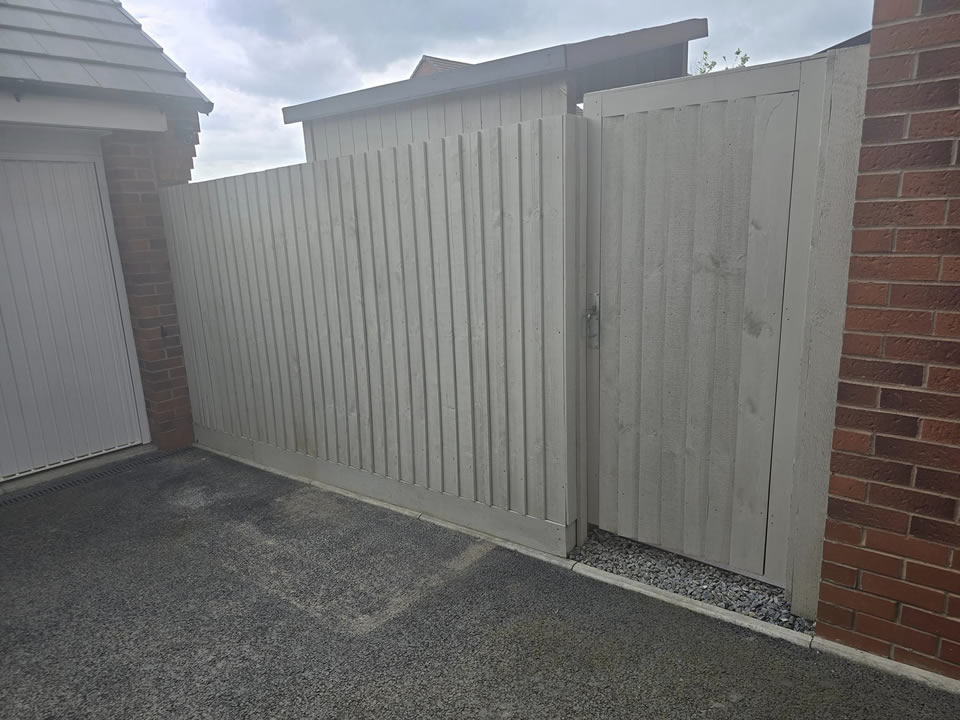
<point>831,90</point>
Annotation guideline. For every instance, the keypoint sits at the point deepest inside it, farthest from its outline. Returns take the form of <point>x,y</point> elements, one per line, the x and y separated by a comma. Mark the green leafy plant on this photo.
<point>706,63</point>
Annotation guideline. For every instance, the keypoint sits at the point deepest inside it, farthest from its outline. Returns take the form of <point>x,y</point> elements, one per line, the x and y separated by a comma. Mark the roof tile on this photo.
<point>92,45</point>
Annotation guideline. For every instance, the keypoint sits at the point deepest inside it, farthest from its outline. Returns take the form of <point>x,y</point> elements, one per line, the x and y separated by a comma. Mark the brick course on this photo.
<point>891,571</point>
<point>137,165</point>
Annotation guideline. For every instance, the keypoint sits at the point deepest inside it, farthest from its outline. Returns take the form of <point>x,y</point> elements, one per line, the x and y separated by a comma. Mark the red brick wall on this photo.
<point>136,165</point>
<point>891,560</point>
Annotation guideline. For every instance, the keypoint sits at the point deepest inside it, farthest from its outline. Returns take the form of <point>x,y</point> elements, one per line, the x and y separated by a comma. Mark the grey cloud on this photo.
<point>254,56</point>
<point>374,33</point>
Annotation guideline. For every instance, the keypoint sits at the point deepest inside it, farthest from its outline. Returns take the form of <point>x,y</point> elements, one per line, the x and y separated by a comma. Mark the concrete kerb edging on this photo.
<point>764,628</point>
<point>876,662</point>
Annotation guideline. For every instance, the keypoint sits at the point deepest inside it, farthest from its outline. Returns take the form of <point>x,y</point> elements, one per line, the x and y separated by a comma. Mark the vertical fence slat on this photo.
<point>397,272</point>
<point>554,306</point>
<point>513,284</point>
<point>344,297</point>
<point>436,164</point>
<point>385,315</point>
<point>357,311</point>
<point>279,275</point>
<point>325,411</point>
<point>252,307</point>
<point>269,358</point>
<point>476,297</point>
<point>371,316</point>
<point>240,324</point>
<point>211,309</point>
<point>223,282</point>
<point>326,199</point>
<point>304,308</point>
<point>493,265</point>
<point>532,263</point>
<point>431,371</point>
<point>411,286</point>
<point>453,155</point>
<point>292,306</point>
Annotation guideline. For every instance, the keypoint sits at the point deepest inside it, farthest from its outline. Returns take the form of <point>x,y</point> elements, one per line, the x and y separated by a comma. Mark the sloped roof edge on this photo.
<point>91,49</point>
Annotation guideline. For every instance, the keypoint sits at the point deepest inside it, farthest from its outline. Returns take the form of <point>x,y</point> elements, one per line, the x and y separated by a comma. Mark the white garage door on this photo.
<point>68,383</point>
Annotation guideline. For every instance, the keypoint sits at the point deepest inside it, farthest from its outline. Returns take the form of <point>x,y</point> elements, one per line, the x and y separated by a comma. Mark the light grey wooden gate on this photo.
<point>695,192</point>
<point>69,387</point>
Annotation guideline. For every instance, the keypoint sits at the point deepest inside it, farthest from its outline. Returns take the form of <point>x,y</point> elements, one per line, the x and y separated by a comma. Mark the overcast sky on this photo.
<point>252,57</point>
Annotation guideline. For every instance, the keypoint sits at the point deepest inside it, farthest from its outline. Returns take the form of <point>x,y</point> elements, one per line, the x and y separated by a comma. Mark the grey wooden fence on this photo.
<point>399,322</point>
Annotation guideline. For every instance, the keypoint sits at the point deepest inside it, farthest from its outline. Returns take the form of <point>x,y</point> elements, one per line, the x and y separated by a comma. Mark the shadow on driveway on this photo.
<point>199,587</point>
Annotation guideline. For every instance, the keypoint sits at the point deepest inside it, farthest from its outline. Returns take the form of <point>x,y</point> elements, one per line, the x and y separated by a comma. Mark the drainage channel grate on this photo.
<point>84,478</point>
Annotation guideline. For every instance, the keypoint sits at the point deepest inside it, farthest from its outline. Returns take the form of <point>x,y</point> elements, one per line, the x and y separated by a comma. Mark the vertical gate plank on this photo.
<point>611,191</point>
<point>731,251</point>
<point>709,182</point>
<point>676,307</point>
<point>622,348</point>
<point>774,135</point>
<point>662,125</point>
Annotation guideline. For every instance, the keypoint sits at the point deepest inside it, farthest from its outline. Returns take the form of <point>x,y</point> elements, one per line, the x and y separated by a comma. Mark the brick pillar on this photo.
<point>132,182</point>
<point>891,560</point>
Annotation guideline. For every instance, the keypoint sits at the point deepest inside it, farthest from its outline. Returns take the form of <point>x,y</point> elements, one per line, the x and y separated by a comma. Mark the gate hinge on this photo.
<point>592,322</point>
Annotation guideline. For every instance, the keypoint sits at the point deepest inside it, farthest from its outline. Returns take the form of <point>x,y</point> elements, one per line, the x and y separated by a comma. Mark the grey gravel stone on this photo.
<point>691,578</point>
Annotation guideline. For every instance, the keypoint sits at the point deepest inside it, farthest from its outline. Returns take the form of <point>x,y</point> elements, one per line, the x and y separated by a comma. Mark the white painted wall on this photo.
<point>435,118</point>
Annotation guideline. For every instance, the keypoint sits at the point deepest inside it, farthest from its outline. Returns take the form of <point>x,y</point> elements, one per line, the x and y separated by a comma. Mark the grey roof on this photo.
<point>557,59</point>
<point>439,64</point>
<point>861,39</point>
<point>88,48</point>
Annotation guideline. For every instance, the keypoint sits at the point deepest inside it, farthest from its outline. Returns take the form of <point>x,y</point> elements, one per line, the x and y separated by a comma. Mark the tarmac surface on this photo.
<point>197,587</point>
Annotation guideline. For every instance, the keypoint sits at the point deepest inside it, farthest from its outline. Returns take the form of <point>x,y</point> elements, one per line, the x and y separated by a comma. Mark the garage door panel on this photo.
<point>67,387</point>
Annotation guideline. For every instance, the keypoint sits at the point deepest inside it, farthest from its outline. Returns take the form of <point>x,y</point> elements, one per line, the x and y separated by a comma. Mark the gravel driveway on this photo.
<point>195,587</point>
